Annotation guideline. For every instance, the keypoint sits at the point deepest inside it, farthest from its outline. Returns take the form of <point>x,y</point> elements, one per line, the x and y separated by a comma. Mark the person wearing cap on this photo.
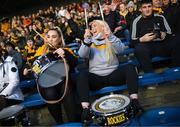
<point>10,92</point>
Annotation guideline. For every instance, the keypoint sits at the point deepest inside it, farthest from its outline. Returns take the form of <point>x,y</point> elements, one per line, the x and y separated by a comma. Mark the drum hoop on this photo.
<point>119,110</point>
<point>12,115</point>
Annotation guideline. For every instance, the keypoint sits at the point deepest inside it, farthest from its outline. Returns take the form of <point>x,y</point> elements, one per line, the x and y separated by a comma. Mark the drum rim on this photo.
<point>122,109</point>
<point>12,115</point>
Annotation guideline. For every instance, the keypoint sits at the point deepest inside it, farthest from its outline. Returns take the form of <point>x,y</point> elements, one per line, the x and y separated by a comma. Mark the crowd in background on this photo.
<point>24,37</point>
<point>17,32</point>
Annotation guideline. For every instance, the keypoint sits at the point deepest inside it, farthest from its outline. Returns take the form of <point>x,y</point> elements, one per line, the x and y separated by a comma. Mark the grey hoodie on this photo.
<point>99,63</point>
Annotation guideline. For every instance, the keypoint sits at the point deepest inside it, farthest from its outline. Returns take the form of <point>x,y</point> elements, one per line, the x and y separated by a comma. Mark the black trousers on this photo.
<point>144,52</point>
<point>68,102</point>
<point>123,75</point>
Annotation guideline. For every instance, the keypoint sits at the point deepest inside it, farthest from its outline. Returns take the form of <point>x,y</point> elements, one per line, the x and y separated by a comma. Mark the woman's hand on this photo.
<point>60,52</point>
<point>87,33</point>
<point>26,71</point>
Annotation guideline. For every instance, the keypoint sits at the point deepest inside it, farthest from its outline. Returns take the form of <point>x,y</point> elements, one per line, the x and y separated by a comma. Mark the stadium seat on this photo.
<point>27,83</point>
<point>32,100</point>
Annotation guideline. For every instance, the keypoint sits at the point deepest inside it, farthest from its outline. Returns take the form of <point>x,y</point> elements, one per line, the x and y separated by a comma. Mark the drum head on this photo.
<point>10,111</point>
<point>51,76</point>
<point>110,104</point>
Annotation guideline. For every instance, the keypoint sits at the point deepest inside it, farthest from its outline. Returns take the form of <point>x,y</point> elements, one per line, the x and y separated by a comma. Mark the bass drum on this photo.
<point>111,110</point>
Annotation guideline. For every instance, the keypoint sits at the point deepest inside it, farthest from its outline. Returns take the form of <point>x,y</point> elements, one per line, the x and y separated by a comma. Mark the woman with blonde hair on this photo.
<point>100,47</point>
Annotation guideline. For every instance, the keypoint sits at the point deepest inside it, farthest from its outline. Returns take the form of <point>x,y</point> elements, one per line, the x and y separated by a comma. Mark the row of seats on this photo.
<point>144,80</point>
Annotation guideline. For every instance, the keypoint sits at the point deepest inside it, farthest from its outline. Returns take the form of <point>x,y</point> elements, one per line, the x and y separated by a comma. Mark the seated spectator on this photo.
<point>100,47</point>
<point>10,93</point>
<point>153,38</point>
<point>30,50</point>
<point>116,22</point>
<point>157,7</point>
<point>17,57</point>
<point>131,15</point>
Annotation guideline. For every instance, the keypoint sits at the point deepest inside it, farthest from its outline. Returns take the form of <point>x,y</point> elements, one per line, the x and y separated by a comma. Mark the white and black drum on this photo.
<point>111,110</point>
<point>50,73</point>
<point>48,70</point>
<point>12,115</point>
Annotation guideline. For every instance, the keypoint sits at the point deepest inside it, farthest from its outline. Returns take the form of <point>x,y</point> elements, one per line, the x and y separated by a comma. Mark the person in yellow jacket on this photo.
<point>157,7</point>
<point>5,25</point>
<point>30,51</point>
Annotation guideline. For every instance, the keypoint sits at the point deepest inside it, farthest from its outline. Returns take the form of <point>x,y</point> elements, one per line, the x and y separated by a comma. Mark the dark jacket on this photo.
<point>142,26</point>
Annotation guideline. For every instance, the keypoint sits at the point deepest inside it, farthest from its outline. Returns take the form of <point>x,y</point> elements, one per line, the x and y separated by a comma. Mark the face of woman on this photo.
<point>96,28</point>
<point>30,43</point>
<point>54,38</point>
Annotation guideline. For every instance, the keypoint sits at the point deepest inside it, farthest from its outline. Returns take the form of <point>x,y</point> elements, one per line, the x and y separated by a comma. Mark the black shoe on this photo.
<point>86,116</point>
<point>136,107</point>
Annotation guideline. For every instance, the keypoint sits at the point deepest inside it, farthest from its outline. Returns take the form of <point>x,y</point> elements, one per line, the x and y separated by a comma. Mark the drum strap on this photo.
<point>65,88</point>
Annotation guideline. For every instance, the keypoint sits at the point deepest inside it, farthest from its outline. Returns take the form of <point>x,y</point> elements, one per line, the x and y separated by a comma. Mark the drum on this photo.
<point>12,115</point>
<point>48,70</point>
<point>51,77</point>
<point>111,110</point>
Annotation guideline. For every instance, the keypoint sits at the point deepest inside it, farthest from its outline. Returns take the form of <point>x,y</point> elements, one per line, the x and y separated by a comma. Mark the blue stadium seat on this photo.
<point>163,116</point>
<point>154,59</point>
<point>147,79</point>
<point>27,83</point>
<point>70,125</point>
<point>144,80</point>
<point>33,100</point>
<point>128,51</point>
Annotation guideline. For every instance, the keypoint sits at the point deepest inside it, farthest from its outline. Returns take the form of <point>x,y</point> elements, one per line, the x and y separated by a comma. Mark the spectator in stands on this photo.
<point>17,57</point>
<point>123,9</point>
<point>100,47</point>
<point>116,22</point>
<point>30,50</point>
<point>157,7</point>
<point>131,15</point>
<point>5,25</point>
<point>153,38</point>
<point>10,92</point>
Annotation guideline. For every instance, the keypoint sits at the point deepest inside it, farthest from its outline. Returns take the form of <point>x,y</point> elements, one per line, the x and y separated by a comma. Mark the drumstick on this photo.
<point>86,20</point>
<point>101,11</point>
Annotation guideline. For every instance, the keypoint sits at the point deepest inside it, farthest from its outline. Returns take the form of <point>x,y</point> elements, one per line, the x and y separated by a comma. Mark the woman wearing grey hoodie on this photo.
<point>100,48</point>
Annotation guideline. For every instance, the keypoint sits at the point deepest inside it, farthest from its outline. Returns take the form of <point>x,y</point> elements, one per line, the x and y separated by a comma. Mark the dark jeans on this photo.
<point>144,52</point>
<point>123,75</point>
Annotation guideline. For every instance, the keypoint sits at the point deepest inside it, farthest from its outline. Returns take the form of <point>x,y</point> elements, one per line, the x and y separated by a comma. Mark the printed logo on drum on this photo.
<point>117,119</point>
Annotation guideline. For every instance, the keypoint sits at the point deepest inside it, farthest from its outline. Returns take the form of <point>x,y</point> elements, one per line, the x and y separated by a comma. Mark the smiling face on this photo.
<point>96,28</point>
<point>30,43</point>
<point>53,37</point>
